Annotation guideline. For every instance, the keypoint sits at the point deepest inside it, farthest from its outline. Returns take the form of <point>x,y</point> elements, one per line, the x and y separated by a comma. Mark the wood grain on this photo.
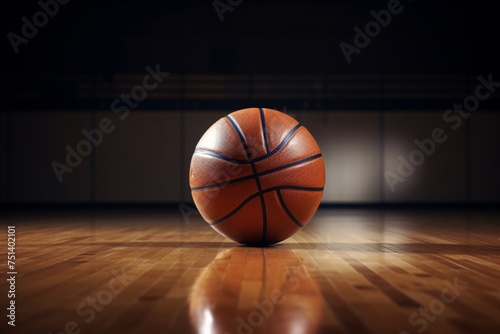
<point>348,271</point>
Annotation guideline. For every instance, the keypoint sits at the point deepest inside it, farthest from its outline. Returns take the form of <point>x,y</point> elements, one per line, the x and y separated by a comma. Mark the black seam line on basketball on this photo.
<point>240,135</point>
<point>249,198</point>
<point>288,212</point>
<point>281,145</point>
<point>242,162</point>
<point>291,164</point>
<point>269,171</point>
<point>262,203</point>
<point>255,175</point>
<point>264,130</point>
<point>220,156</point>
<point>286,187</point>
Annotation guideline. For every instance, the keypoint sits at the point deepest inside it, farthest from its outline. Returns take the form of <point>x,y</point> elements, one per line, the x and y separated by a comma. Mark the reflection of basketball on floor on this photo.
<point>277,294</point>
<point>257,176</point>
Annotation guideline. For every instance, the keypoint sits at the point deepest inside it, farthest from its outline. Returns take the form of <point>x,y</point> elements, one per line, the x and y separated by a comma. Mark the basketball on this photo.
<point>257,176</point>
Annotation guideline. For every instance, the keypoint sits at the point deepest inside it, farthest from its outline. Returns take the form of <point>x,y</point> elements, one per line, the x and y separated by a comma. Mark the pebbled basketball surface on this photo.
<point>257,176</point>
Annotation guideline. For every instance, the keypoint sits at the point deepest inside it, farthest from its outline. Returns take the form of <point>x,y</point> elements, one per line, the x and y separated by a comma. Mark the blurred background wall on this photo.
<point>277,54</point>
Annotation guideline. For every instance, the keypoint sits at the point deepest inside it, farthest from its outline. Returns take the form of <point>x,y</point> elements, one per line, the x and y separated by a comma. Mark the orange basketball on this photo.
<point>257,176</point>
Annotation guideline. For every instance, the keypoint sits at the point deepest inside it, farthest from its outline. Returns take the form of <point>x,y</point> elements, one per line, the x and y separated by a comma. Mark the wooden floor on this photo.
<point>346,272</point>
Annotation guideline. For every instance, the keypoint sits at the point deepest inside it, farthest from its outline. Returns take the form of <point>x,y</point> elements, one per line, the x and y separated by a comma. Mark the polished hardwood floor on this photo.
<point>348,271</point>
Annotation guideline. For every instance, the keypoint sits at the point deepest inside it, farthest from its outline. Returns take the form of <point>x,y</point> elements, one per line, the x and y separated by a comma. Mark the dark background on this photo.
<point>279,54</point>
<point>286,37</point>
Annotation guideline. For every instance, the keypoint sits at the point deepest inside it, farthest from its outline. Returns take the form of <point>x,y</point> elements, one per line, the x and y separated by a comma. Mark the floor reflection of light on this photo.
<point>207,322</point>
<point>221,302</point>
<point>299,326</point>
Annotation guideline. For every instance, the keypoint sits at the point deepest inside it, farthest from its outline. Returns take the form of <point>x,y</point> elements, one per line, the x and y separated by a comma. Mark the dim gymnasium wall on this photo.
<point>146,158</point>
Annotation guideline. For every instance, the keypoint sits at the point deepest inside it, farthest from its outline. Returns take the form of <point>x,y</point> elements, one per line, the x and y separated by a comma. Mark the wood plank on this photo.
<point>348,271</point>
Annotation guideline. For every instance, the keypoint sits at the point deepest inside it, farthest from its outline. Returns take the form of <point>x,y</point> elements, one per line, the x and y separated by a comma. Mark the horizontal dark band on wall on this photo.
<point>175,205</point>
<point>63,105</point>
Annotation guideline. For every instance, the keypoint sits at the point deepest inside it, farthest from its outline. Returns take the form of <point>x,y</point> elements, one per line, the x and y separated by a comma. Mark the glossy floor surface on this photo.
<point>348,271</point>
